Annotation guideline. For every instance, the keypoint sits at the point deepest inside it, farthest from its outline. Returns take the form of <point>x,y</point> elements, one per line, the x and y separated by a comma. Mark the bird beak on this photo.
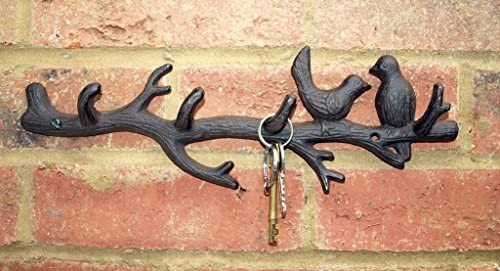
<point>374,70</point>
<point>366,87</point>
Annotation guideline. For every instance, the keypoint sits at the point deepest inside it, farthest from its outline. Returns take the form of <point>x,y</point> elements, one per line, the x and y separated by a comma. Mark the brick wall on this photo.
<point>115,202</point>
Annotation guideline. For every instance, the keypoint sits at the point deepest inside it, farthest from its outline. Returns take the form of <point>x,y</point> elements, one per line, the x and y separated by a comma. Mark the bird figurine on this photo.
<point>336,103</point>
<point>395,101</point>
<point>325,105</point>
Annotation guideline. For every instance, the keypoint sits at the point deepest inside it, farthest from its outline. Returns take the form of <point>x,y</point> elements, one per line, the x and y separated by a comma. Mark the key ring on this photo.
<point>261,138</point>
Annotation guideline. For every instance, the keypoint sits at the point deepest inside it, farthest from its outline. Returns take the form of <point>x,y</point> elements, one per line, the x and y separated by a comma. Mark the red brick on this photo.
<point>163,210</point>
<point>486,121</point>
<point>9,197</point>
<point>258,92</point>
<point>8,22</point>
<point>119,87</point>
<point>12,105</point>
<point>193,23</point>
<point>17,265</point>
<point>132,140</point>
<point>387,24</point>
<point>411,210</point>
<point>243,92</point>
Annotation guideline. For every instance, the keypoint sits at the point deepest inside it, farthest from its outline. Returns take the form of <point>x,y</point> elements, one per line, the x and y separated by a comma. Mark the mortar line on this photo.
<point>24,24</point>
<point>309,210</point>
<point>24,222</point>
<point>248,56</point>
<point>289,260</point>
<point>345,159</point>
<point>466,103</point>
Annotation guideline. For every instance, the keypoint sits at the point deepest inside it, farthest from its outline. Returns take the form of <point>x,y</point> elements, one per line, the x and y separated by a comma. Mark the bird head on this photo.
<point>386,66</point>
<point>357,83</point>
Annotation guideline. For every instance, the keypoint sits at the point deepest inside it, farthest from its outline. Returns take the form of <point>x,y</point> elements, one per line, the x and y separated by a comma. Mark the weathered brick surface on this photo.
<point>161,211</point>
<point>7,22</point>
<point>486,131</point>
<point>388,24</point>
<point>132,140</point>
<point>12,105</point>
<point>258,92</point>
<point>119,86</point>
<point>241,92</point>
<point>6,265</point>
<point>9,197</point>
<point>411,210</point>
<point>195,23</point>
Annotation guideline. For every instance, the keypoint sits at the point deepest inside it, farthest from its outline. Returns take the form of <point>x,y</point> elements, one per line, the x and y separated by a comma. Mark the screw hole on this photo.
<point>374,137</point>
<point>56,123</point>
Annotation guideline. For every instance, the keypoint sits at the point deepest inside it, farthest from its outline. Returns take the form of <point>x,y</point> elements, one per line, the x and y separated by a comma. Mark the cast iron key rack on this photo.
<point>391,141</point>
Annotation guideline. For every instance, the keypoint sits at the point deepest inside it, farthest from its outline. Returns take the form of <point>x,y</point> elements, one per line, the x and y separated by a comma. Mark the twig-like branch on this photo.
<point>187,110</point>
<point>218,175</point>
<point>85,105</point>
<point>314,159</point>
<point>174,135</point>
<point>276,123</point>
<point>152,90</point>
<point>435,109</point>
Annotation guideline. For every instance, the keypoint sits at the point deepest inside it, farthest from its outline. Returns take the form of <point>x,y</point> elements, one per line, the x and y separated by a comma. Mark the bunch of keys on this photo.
<point>274,179</point>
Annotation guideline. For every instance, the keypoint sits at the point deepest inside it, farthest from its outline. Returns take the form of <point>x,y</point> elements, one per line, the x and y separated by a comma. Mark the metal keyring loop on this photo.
<point>261,138</point>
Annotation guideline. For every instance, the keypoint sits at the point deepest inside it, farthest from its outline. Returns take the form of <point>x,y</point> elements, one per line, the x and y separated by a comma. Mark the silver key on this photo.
<point>281,179</point>
<point>270,167</point>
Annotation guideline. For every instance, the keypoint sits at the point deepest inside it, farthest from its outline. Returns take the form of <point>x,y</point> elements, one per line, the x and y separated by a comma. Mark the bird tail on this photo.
<point>404,149</point>
<point>301,71</point>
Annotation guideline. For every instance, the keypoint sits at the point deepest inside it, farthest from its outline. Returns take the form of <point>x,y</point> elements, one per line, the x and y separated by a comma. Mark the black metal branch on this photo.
<point>329,108</point>
<point>151,89</point>
<point>41,118</point>
<point>435,109</point>
<point>276,123</point>
<point>314,159</point>
<point>174,135</point>
<point>86,111</point>
<point>218,175</point>
<point>187,110</point>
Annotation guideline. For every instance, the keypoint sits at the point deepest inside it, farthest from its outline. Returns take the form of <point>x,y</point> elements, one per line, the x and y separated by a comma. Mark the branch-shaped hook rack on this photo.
<point>391,141</point>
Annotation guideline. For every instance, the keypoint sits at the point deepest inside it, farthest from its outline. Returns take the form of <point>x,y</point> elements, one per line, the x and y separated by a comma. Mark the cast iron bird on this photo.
<point>325,105</point>
<point>336,103</point>
<point>395,101</point>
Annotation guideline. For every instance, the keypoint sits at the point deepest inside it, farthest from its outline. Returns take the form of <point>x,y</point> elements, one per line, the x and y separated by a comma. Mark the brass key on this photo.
<point>273,214</point>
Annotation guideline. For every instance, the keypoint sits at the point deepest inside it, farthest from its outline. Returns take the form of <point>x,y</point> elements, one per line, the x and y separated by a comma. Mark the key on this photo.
<point>281,179</point>
<point>273,214</point>
<point>273,198</point>
<point>267,165</point>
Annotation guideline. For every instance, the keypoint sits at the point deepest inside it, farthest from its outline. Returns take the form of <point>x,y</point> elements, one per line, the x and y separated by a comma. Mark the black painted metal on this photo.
<point>391,141</point>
